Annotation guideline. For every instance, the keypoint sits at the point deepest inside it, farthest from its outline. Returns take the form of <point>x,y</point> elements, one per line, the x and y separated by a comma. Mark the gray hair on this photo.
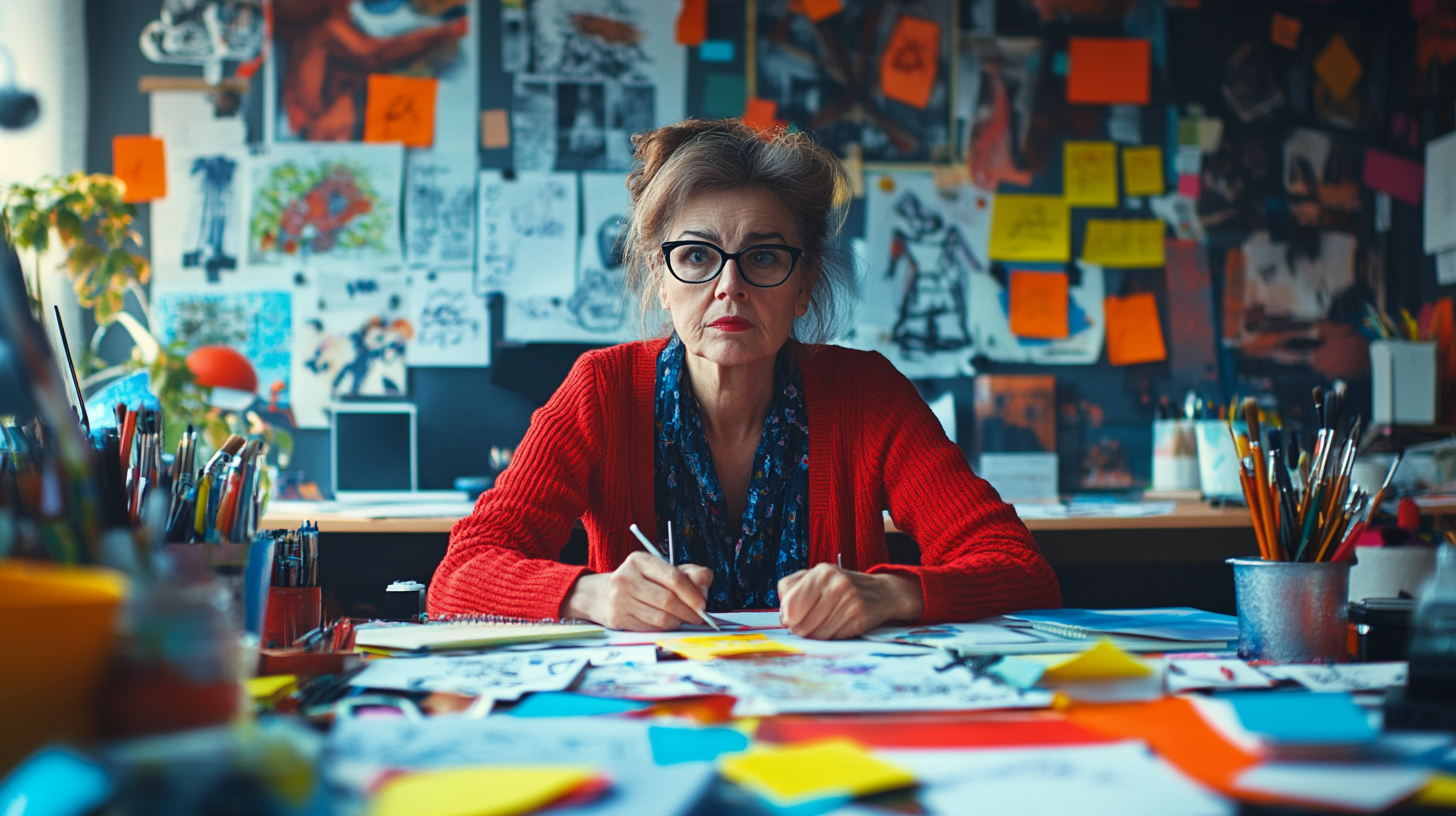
<point>675,162</point>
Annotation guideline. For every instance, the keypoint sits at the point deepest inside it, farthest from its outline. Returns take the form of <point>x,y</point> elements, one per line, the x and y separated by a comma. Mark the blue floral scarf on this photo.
<point>773,541</point>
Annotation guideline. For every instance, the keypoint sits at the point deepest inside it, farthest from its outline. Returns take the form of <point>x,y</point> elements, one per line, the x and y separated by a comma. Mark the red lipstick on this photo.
<point>730,324</point>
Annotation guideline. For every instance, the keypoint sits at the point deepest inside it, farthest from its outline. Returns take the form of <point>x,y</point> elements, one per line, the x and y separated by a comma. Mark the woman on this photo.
<point>770,458</point>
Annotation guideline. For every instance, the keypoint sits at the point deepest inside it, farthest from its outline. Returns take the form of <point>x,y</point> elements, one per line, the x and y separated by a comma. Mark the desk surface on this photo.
<point>1185,515</point>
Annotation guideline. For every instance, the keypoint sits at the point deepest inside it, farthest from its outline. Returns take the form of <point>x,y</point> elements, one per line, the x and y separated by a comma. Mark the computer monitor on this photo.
<point>372,450</point>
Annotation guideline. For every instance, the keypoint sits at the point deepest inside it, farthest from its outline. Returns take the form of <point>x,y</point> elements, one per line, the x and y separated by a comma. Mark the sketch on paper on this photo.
<point>999,108</point>
<point>451,321</point>
<point>991,317</point>
<point>204,32</point>
<point>578,125</point>
<point>594,307</point>
<point>921,250</point>
<point>439,210</point>
<point>197,229</point>
<point>660,681</point>
<point>824,77</point>
<point>526,240</point>
<point>326,206</point>
<point>351,339</point>
<point>453,741</point>
<point>257,324</point>
<point>502,675</point>
<point>324,53</point>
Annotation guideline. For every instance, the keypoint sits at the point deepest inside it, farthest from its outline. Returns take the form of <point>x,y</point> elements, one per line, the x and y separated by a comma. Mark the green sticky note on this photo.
<point>723,96</point>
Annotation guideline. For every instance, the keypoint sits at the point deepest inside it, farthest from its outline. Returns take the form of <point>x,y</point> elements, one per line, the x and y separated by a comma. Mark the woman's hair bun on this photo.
<point>654,147</point>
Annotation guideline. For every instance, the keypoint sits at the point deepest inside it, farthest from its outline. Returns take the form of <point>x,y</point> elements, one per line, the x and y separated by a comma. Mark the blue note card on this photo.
<point>716,51</point>
<point>673,745</point>
<point>566,704</point>
<point>1303,717</point>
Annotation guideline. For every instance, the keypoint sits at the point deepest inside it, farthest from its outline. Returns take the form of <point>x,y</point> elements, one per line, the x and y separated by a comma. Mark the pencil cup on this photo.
<point>1175,455</point>
<point>1291,612</point>
<point>292,613</point>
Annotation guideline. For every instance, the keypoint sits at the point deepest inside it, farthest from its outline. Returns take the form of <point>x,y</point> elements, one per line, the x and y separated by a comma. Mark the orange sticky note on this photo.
<point>759,113</point>
<point>495,128</point>
<point>1338,67</point>
<point>1134,334</point>
<point>1284,31</point>
<point>692,23</point>
<point>400,109</point>
<point>910,61</point>
<point>1038,304</point>
<point>1108,70</point>
<point>817,10</point>
<point>141,163</point>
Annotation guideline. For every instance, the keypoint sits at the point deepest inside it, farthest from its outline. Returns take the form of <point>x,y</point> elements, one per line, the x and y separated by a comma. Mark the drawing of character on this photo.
<point>934,310</point>
<point>600,300</point>
<point>329,55</point>
<point>217,188</point>
<point>444,322</point>
<point>605,44</point>
<point>205,32</point>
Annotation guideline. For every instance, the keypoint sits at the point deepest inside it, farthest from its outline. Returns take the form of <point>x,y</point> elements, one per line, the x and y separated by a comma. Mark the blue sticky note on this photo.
<point>566,704</point>
<point>1303,717</point>
<point>673,745</point>
<point>54,782</point>
<point>716,51</point>
<point>1061,64</point>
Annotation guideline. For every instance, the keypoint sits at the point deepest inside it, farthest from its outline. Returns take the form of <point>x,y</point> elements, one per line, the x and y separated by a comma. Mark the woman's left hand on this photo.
<point>829,603</point>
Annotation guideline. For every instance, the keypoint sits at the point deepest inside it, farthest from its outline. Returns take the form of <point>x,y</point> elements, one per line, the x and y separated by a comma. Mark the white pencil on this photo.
<point>652,548</point>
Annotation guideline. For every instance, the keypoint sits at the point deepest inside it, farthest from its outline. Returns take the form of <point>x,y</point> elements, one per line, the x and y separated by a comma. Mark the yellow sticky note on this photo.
<point>494,791</point>
<point>816,770</point>
<point>709,647</point>
<point>1338,66</point>
<point>1030,228</point>
<point>1131,244</point>
<point>1089,174</point>
<point>1440,792</point>
<point>1142,170</point>
<point>1101,662</point>
<point>263,689</point>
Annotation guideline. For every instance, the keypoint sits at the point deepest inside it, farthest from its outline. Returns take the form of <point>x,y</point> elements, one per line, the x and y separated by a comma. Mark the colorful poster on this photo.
<point>451,322</point>
<point>326,207</point>
<point>257,324</point>
<point>998,84</point>
<point>595,307</point>
<point>351,339</point>
<point>324,53</point>
<point>439,210</point>
<point>526,242</point>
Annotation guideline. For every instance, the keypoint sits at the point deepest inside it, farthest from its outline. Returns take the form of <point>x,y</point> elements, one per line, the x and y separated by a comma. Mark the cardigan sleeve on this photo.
<point>977,557</point>
<point>501,558</point>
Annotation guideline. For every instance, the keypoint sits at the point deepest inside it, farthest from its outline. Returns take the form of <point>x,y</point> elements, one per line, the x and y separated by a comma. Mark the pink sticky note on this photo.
<point>1389,173</point>
<point>1190,186</point>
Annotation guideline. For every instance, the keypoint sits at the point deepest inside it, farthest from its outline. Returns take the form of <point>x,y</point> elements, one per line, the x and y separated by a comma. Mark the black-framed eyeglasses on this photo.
<point>762,265</point>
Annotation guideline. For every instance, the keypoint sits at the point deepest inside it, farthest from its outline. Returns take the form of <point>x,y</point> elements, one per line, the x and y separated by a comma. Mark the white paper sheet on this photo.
<point>527,236</point>
<point>351,338</point>
<point>1186,675</point>
<point>444,742</point>
<point>751,620</point>
<point>498,675</point>
<point>660,681</point>
<point>990,314</point>
<point>451,322</point>
<point>594,306</point>
<point>1121,779</point>
<point>325,207</point>
<point>1344,677</point>
<point>1440,197</point>
<point>1304,289</point>
<point>188,122</point>
<point>257,324</point>
<point>1352,786</point>
<point>198,228</point>
<point>596,656</point>
<point>950,635</point>
<point>439,210</point>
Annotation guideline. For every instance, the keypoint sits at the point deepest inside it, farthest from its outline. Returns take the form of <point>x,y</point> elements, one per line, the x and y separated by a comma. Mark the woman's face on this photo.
<point>727,320</point>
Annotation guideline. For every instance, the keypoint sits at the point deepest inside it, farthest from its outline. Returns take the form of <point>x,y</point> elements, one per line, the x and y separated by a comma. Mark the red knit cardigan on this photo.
<point>873,445</point>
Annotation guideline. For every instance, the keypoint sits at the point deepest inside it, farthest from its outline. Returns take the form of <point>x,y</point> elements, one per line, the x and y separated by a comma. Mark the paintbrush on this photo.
<point>1261,475</point>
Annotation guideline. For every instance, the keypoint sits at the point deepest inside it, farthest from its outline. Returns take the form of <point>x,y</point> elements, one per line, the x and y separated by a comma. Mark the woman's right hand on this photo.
<point>645,594</point>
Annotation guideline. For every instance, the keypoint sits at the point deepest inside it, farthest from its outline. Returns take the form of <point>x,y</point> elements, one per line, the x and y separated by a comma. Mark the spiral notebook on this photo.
<point>435,637</point>
<point>1178,623</point>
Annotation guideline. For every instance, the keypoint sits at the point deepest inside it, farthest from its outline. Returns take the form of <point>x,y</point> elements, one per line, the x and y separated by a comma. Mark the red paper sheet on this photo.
<point>910,61</point>
<point>692,23</point>
<point>1388,173</point>
<point>1108,71</point>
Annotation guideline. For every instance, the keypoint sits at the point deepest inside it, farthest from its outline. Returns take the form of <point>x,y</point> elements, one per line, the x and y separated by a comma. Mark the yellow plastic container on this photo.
<point>57,626</point>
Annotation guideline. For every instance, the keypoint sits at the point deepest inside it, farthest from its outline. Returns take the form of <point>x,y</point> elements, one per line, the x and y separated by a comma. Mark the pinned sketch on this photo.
<point>256,324</point>
<point>579,125</point>
<point>351,339</point>
<point>204,32</point>
<point>198,228</point>
<point>324,54</point>
<point>452,324</point>
<point>1279,284</point>
<point>921,251</point>
<point>596,307</point>
<point>527,237</point>
<point>500,676</point>
<point>1086,329</point>
<point>330,207</point>
<point>439,210</point>
<point>188,122</point>
<point>999,112</point>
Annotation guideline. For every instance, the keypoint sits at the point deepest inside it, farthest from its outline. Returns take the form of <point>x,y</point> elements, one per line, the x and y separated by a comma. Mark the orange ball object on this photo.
<point>222,367</point>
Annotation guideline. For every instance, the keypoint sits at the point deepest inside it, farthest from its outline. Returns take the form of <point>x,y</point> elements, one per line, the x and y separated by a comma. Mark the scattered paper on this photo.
<point>566,704</point>
<point>797,774</point>
<point>1030,228</point>
<point>1108,71</point>
<point>1142,170</point>
<point>1038,304</point>
<point>661,681</point>
<point>494,791</point>
<point>451,322</point>
<point>768,619</point>
<point>1089,174</point>
<point>1343,677</point>
<point>1189,674</point>
<point>400,109</point>
<point>1302,717</point>
<point>716,646</point>
<point>1134,332</point>
<point>500,675</point>
<point>910,59</point>
<point>1104,661</point>
<point>140,163</point>
<point>524,224</point>
<point>672,746</point>
<point>1342,785</point>
<point>1125,244</point>
<point>1440,194</point>
<point>1171,623</point>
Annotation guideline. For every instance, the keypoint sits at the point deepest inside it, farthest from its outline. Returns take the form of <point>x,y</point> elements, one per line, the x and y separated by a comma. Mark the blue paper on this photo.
<point>671,746</point>
<point>54,782</point>
<point>1303,717</point>
<point>716,51</point>
<point>1173,623</point>
<point>566,704</point>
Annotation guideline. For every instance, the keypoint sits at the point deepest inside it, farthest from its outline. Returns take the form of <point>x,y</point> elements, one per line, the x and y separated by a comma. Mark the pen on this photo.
<point>653,549</point>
